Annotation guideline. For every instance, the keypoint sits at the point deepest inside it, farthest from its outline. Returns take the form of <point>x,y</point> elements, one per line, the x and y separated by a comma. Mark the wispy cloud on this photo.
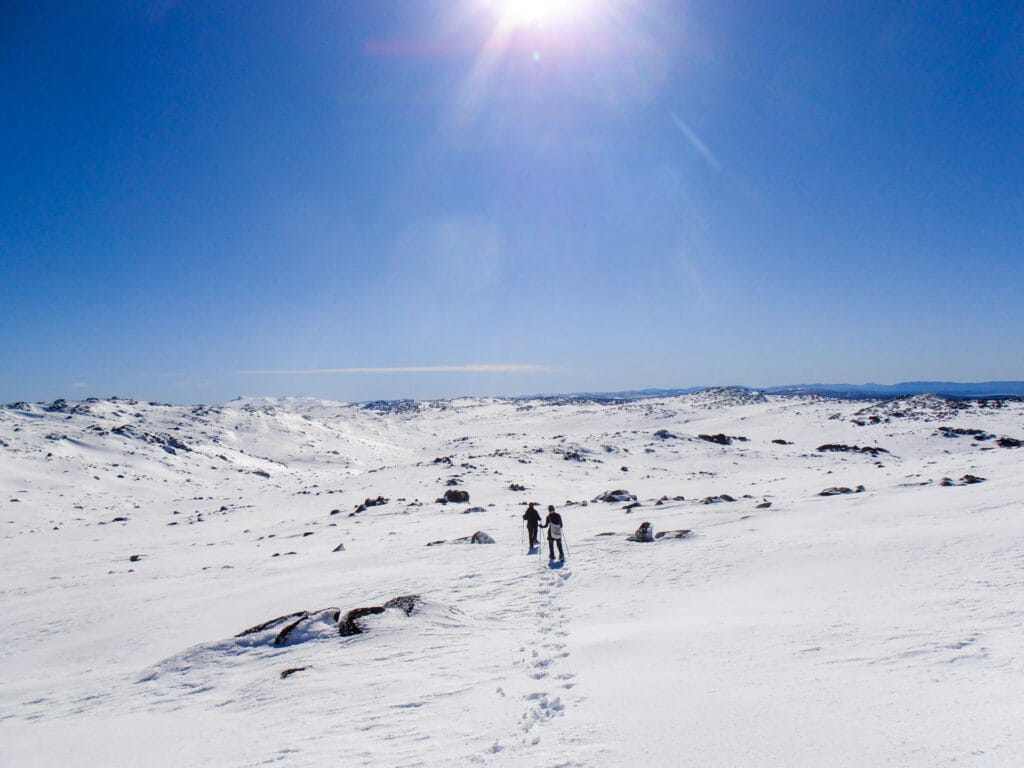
<point>696,143</point>
<point>80,385</point>
<point>483,368</point>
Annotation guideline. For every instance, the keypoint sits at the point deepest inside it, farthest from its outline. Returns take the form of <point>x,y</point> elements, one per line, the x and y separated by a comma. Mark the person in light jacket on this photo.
<point>553,522</point>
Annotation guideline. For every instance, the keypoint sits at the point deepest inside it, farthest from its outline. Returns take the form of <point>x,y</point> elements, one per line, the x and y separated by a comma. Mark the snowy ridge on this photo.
<point>768,625</point>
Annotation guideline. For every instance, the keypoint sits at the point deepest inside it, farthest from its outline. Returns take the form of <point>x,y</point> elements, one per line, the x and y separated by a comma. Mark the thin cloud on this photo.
<point>696,143</point>
<point>80,385</point>
<point>504,368</point>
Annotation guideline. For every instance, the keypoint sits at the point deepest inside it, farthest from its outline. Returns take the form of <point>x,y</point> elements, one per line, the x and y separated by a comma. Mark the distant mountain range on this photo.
<point>954,389</point>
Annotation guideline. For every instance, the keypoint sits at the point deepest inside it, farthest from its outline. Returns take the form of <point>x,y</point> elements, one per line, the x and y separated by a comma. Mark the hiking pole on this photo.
<point>522,538</point>
<point>565,543</point>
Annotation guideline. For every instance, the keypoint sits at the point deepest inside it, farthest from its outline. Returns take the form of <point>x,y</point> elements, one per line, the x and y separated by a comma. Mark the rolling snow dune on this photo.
<point>251,584</point>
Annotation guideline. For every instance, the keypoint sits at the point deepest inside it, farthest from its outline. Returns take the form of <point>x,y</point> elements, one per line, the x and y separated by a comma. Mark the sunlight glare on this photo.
<point>536,13</point>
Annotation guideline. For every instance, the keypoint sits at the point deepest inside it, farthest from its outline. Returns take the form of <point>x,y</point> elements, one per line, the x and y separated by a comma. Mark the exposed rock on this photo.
<point>764,505</point>
<point>285,674</point>
<point>339,548</point>
<point>349,627</point>
<point>454,497</point>
<point>168,443</point>
<point>272,623</point>
<point>664,434</point>
<point>679,534</point>
<point>134,558</point>
<point>1009,442</point>
<point>965,480</point>
<point>616,496</point>
<point>840,448</point>
<point>916,407</point>
<point>404,603</point>
<point>632,505</point>
<point>473,510</point>
<point>720,439</point>
<point>516,487</point>
<point>977,434</point>
<point>780,441</point>
<point>477,538</point>
<point>645,533</point>
<point>380,500</point>
<point>839,490</point>
<point>717,499</point>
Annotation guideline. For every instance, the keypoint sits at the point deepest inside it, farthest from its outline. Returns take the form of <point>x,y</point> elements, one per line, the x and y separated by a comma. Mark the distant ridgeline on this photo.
<point>949,389</point>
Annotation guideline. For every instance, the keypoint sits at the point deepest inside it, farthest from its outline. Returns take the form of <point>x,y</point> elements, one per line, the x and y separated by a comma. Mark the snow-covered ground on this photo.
<point>880,627</point>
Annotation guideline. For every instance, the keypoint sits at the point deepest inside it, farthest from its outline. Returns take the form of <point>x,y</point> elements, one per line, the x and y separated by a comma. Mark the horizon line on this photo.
<point>471,368</point>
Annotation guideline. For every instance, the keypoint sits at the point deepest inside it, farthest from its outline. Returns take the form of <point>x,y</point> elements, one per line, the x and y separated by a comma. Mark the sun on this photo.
<point>536,13</point>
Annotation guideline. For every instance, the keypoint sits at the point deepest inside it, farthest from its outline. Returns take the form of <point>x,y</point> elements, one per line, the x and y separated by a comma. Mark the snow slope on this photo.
<point>881,627</point>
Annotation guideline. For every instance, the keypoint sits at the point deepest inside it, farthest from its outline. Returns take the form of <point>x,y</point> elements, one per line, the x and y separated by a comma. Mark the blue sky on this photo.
<point>386,199</point>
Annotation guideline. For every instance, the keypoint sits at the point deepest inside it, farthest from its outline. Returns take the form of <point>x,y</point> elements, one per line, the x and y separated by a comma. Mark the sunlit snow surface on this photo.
<point>877,628</point>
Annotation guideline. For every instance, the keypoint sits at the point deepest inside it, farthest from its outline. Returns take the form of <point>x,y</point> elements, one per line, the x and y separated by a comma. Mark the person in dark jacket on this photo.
<point>532,518</point>
<point>553,522</point>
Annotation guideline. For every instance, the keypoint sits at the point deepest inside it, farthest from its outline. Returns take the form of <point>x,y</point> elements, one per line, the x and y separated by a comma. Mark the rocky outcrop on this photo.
<point>379,501</point>
<point>294,627</point>
<point>477,538</point>
<point>717,499</point>
<point>841,490</point>
<point>454,497</point>
<point>721,439</point>
<point>679,534</point>
<point>616,496</point>
<point>965,480</point>
<point>873,450</point>
<point>643,534</point>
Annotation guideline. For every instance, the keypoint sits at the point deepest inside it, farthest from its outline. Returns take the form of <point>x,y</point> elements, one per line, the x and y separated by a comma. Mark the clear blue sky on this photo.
<point>201,200</point>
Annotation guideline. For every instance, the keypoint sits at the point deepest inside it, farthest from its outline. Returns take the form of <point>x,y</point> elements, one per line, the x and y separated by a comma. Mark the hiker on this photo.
<point>532,518</point>
<point>553,522</point>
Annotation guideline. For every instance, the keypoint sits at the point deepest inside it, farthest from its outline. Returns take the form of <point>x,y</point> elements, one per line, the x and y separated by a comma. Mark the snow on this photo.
<point>875,628</point>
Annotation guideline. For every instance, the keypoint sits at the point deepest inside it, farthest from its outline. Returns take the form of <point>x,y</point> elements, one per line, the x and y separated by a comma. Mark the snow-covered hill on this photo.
<point>181,584</point>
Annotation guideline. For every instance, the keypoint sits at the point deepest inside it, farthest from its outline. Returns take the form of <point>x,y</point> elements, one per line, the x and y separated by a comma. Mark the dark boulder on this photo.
<point>454,497</point>
<point>840,490</point>
<point>644,534</point>
<point>874,450</point>
<point>680,534</point>
<point>349,627</point>
<point>720,439</point>
<point>616,496</point>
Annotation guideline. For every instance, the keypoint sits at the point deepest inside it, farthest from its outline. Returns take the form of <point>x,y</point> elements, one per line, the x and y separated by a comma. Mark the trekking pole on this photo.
<point>565,543</point>
<point>522,538</point>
